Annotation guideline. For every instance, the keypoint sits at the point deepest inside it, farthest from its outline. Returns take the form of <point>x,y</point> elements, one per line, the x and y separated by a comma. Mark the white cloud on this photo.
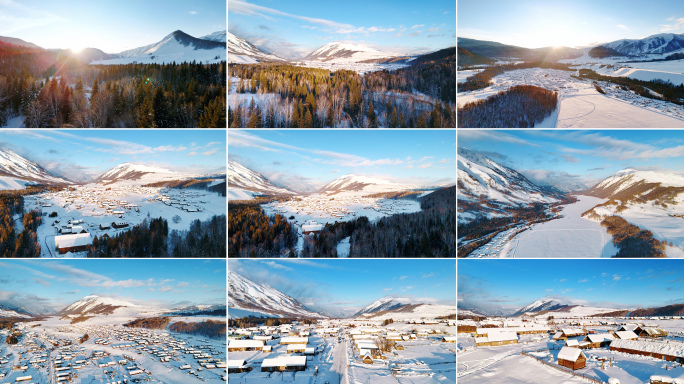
<point>678,25</point>
<point>193,12</point>
<point>417,26</point>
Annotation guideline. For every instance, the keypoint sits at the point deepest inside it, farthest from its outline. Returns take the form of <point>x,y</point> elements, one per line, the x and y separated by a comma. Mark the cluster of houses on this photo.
<point>638,339</point>
<point>291,343</point>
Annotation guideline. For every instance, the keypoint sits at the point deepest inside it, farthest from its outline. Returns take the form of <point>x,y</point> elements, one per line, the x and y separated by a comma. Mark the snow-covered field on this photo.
<point>566,237</point>
<point>461,76</point>
<point>51,347</point>
<point>581,106</point>
<point>90,203</point>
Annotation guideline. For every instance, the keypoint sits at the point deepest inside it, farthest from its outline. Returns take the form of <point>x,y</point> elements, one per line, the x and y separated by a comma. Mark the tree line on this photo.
<point>253,234</point>
<point>521,106</point>
<point>208,328</point>
<point>631,240</point>
<point>205,239</point>
<point>297,97</point>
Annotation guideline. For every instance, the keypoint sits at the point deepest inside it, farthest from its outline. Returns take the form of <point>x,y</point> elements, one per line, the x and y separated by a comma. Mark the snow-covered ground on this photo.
<point>360,68</point>
<point>90,203</point>
<point>461,76</point>
<point>120,353</point>
<point>581,106</point>
<point>566,237</point>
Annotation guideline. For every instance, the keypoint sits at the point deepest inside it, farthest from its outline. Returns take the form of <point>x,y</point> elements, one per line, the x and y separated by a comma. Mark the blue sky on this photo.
<point>112,26</point>
<point>587,155</point>
<point>305,25</point>
<point>89,153</point>
<point>544,23</point>
<point>350,284</point>
<point>317,157</point>
<point>617,283</point>
<point>166,283</point>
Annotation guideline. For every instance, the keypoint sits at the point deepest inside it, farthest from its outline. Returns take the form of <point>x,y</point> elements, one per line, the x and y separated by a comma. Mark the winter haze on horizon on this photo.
<point>536,24</point>
<point>341,288</point>
<point>311,159</point>
<point>296,28</point>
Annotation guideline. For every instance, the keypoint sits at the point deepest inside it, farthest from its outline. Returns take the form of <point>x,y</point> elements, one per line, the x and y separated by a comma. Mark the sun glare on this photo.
<point>76,49</point>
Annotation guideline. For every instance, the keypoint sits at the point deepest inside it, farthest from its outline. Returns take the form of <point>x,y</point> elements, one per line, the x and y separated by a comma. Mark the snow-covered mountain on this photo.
<point>556,181</point>
<point>17,171</point>
<point>561,307</point>
<point>479,176</point>
<point>631,182</point>
<point>414,311</point>
<point>387,303</point>
<point>243,52</point>
<point>246,297</point>
<point>362,183</point>
<point>244,183</point>
<point>197,310</point>
<point>662,43</point>
<point>140,174</point>
<point>98,305</point>
<point>23,308</point>
<point>219,36</point>
<point>177,47</point>
<point>340,51</point>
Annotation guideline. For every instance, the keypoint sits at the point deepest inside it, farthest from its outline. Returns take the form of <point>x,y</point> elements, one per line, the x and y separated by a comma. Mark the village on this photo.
<point>544,349</point>
<point>74,216</point>
<point>52,351</point>
<point>344,351</point>
<point>311,213</point>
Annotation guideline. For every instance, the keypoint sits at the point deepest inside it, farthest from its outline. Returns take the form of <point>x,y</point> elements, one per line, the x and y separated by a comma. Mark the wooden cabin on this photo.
<point>572,358</point>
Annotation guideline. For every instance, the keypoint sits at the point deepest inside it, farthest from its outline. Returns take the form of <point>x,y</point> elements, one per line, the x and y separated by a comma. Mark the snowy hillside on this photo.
<point>97,305</point>
<point>361,183</point>
<point>655,44</point>
<point>243,52</point>
<point>340,51</point>
<point>141,174</point>
<point>633,182</point>
<point>16,171</point>
<point>561,307</point>
<point>387,303</point>
<point>219,36</point>
<point>246,297</point>
<point>245,183</point>
<point>23,308</point>
<point>414,311</point>
<point>177,46</point>
<point>479,176</point>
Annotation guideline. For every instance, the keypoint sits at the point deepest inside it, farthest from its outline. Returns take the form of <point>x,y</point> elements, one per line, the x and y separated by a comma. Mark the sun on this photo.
<point>77,49</point>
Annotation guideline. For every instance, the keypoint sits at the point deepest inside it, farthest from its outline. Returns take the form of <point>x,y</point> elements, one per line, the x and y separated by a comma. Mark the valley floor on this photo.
<point>569,236</point>
<point>582,106</point>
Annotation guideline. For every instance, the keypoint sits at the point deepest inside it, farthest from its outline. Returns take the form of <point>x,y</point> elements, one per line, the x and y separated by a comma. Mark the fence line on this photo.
<point>558,367</point>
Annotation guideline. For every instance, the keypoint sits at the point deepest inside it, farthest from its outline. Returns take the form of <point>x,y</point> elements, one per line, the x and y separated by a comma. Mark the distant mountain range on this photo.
<point>337,52</point>
<point>177,47</point>
<point>475,52</point>
<point>245,183</point>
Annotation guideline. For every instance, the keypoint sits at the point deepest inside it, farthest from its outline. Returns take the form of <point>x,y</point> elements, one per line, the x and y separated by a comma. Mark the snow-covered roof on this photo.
<point>664,347</point>
<point>654,331</point>
<point>246,344</point>
<point>294,340</point>
<point>626,335</point>
<point>284,361</point>
<point>293,347</point>
<point>599,338</point>
<point>569,353</point>
<point>235,363</point>
<point>572,343</point>
<point>573,331</point>
<point>501,336</point>
<point>77,240</point>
